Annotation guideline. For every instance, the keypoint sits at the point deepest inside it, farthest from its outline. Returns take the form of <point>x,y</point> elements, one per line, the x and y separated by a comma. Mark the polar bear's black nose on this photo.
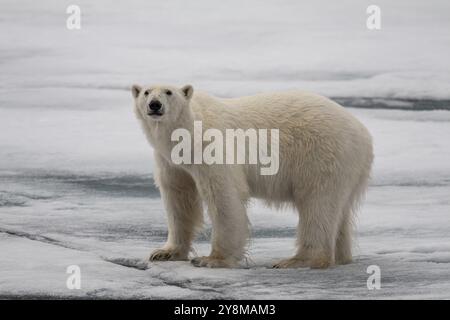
<point>155,105</point>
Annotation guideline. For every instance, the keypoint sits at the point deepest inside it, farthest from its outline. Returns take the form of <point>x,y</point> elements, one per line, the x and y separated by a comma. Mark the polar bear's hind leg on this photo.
<point>346,226</point>
<point>317,231</point>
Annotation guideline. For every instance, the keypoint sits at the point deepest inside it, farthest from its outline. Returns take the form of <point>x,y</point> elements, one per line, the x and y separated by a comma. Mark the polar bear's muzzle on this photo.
<point>155,108</point>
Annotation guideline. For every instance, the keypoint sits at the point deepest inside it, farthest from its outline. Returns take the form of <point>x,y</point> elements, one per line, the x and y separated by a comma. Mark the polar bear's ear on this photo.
<point>188,91</point>
<point>135,89</point>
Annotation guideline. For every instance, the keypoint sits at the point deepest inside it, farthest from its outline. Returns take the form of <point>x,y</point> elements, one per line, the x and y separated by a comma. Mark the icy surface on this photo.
<point>76,172</point>
<point>107,222</point>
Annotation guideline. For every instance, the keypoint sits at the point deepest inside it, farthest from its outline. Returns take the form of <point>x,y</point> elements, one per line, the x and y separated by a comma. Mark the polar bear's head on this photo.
<point>161,103</point>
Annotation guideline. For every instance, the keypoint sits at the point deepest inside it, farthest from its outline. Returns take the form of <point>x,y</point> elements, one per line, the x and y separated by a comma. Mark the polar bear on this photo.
<point>325,158</point>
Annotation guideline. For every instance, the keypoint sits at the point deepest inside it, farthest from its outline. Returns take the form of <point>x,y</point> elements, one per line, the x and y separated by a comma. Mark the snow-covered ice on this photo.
<point>107,222</point>
<point>76,172</point>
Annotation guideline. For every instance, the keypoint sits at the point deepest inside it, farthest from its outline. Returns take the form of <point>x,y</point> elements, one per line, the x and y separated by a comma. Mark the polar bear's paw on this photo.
<point>320,263</point>
<point>211,262</point>
<point>296,262</point>
<point>167,255</point>
<point>293,262</point>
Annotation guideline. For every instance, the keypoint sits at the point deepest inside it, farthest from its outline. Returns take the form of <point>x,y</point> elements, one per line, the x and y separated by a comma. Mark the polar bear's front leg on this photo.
<point>184,213</point>
<point>230,226</point>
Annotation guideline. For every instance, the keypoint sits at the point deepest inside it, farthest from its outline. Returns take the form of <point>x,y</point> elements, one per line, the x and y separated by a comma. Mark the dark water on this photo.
<point>110,185</point>
<point>396,104</point>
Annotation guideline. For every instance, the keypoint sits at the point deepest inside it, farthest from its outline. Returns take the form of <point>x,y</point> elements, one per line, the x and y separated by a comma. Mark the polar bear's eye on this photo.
<point>146,93</point>
<point>168,92</point>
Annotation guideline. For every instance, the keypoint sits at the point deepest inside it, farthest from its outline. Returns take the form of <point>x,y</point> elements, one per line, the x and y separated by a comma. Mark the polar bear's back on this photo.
<point>293,111</point>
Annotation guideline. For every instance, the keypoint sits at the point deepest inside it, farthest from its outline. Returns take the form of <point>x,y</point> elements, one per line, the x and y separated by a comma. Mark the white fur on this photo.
<point>325,162</point>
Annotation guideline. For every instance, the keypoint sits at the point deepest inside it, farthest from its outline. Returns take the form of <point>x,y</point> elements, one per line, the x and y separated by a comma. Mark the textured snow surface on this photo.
<point>226,47</point>
<point>76,173</point>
